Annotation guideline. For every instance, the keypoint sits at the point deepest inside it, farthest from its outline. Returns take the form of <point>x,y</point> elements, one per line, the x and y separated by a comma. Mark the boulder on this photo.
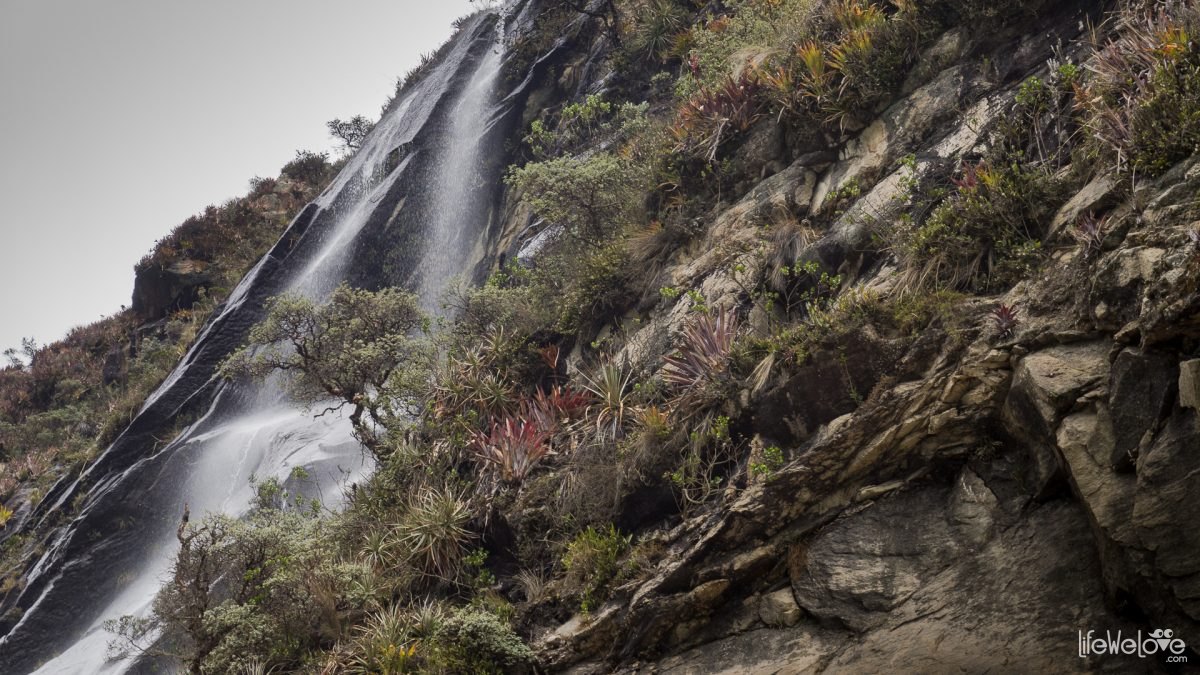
<point>1142,388</point>
<point>1108,496</point>
<point>160,290</point>
<point>779,609</point>
<point>1047,383</point>
<point>1092,197</point>
<point>1189,384</point>
<point>858,569</point>
<point>1166,509</point>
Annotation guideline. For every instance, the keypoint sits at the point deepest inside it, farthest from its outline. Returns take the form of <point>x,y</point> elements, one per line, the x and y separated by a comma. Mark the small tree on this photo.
<point>351,132</point>
<point>242,588</point>
<point>365,349</point>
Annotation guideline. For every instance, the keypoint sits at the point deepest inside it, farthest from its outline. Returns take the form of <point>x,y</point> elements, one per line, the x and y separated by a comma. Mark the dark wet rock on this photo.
<point>1142,389</point>
<point>160,290</point>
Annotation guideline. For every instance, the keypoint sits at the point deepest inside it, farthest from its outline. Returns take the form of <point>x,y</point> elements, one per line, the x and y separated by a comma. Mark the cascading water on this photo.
<point>426,179</point>
<point>462,185</point>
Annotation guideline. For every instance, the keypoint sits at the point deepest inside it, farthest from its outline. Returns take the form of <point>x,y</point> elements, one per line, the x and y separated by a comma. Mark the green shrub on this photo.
<point>582,124</point>
<point>473,640</point>
<point>311,167</point>
<point>244,590</point>
<point>594,287</point>
<point>909,313</point>
<point>758,358</point>
<point>593,561</point>
<point>765,464</point>
<point>730,43</point>
<point>591,197</point>
<point>508,302</point>
<point>1166,127</point>
<point>984,236</point>
<point>855,60</point>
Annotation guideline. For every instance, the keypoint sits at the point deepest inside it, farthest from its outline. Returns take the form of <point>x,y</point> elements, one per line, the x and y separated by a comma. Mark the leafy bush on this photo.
<point>729,44</point>
<point>473,640</point>
<point>592,561</point>
<point>592,288</point>
<point>697,478</point>
<point>241,588</point>
<point>591,197</point>
<point>825,319</point>
<point>764,463</point>
<point>311,167</point>
<point>984,235</point>
<point>584,124</point>
<point>853,62</point>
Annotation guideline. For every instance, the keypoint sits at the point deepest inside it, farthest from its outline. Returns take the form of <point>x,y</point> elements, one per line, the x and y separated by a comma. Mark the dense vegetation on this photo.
<point>525,454</point>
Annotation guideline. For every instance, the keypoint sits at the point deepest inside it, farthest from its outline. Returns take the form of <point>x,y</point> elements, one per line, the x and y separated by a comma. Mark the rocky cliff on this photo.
<point>967,497</point>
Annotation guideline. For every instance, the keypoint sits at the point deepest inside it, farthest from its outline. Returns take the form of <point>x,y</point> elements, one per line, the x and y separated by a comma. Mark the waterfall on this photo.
<point>428,173</point>
<point>460,185</point>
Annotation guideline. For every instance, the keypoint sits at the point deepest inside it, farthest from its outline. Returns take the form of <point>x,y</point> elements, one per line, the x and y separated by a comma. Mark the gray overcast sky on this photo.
<point>120,118</point>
